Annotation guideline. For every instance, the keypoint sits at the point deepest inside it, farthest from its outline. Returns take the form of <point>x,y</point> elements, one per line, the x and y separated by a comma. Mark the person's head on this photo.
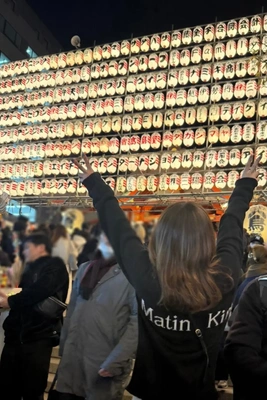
<point>255,239</point>
<point>104,247</point>
<point>182,249</point>
<point>36,246</point>
<point>96,231</point>
<point>257,260</point>
<point>59,232</point>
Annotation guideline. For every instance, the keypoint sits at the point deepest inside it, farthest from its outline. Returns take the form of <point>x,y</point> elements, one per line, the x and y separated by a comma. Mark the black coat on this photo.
<point>246,346</point>
<point>45,277</point>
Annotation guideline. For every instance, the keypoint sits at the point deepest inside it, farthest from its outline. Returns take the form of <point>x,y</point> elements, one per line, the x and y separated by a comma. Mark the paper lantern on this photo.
<point>95,146</point>
<point>202,114</point>
<point>209,180</point>
<point>172,79</point>
<point>228,91</point>
<point>205,75</point>
<point>246,153</point>
<point>143,163</point>
<point>198,34</point>
<point>141,83</point>
<point>129,103</point>
<point>262,177</point>
<point>135,143</point>
<point>88,56</point>
<point>176,161</point>
<point>181,97</point>
<point>214,114</point>
<point>243,26</point>
<point>187,158</point>
<point>222,158</point>
<point>200,136</point>
<point>213,134</point>
<point>113,68</point>
<point>135,46</point>
<point>164,182</point>
<point>125,144</point>
<point>189,138</point>
<point>86,146</point>
<point>242,46</point>
<point>143,63</point>
<point>203,94</point>
<point>255,24</point>
<point>196,181</point>
<point>198,159</point>
<point>211,158</point>
<point>116,124</point>
<point>185,181</point>
<point>209,33</point>
<point>131,184</point>
<point>165,40</point>
<point>251,89</point>
<point>221,179</point>
<point>157,120</point>
<point>261,152</point>
<point>164,60</point>
<point>170,98</point>
<point>137,122</point>
<point>190,116</point>
<point>106,52</point>
<point>174,182</point>
<point>97,53</point>
<point>207,53</point>
<point>176,39</point>
<point>112,165</point>
<point>241,68</point>
<point>236,133</point>
<point>262,108</point>
<point>165,162</point>
<point>183,77</point>
<point>152,183</point>
<point>174,58</point>
<point>121,184</point>
<point>167,139</point>
<point>153,61</point>
<point>240,89</point>
<point>185,58</point>
<point>155,43</point>
<point>261,131</point>
<point>131,84</point>
<point>145,43</point>
<point>187,36</point>
<point>254,45</point>
<point>220,31</point>
<point>234,157</point>
<point>153,162</point>
<point>115,49</point>
<point>178,118</point>
<point>123,163</point>
<point>229,71</point>
<point>218,71</point>
<point>104,145</point>
<point>141,183</point>
<point>249,109</point>
<point>155,140</point>
<point>265,22</point>
<point>216,93</point>
<point>133,164</point>
<point>111,88</point>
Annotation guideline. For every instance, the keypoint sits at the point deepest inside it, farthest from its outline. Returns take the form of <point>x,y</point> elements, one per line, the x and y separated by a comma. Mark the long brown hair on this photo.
<point>182,249</point>
<point>58,232</point>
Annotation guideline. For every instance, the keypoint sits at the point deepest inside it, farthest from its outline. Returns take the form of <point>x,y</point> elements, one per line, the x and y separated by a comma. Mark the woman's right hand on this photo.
<point>251,169</point>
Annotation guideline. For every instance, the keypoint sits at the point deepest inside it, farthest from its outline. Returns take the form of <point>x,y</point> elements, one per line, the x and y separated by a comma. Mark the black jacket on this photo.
<point>45,277</point>
<point>170,357</point>
<point>246,345</point>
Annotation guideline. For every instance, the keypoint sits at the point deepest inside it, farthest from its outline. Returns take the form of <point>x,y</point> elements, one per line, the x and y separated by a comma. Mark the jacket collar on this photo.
<point>115,270</point>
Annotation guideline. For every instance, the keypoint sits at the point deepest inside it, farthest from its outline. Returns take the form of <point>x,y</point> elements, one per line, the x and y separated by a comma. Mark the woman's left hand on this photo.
<point>85,171</point>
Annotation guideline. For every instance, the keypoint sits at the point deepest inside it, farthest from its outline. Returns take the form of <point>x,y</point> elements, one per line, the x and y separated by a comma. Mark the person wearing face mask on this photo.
<point>100,333</point>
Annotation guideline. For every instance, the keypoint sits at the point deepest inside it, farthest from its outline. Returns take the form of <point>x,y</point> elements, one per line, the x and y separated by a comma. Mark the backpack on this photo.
<point>263,296</point>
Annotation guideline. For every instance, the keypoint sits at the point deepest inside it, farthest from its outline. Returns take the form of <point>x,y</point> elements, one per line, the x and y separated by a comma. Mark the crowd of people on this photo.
<point>175,313</point>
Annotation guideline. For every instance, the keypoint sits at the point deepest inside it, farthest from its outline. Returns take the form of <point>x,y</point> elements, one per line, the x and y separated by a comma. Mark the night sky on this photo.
<point>109,20</point>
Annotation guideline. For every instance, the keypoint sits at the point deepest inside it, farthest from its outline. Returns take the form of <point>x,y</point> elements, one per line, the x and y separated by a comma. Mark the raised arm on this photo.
<point>130,252</point>
<point>230,235</point>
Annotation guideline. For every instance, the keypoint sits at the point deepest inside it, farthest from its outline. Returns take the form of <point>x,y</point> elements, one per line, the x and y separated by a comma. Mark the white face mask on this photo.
<point>106,250</point>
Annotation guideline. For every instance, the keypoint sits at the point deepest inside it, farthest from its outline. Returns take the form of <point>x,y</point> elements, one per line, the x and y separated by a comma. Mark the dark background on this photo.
<point>105,21</point>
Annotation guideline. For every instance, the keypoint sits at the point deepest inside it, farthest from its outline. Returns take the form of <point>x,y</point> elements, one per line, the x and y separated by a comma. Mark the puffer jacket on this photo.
<point>99,333</point>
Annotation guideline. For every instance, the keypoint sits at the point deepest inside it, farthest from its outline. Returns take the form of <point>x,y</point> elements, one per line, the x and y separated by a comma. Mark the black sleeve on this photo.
<point>130,252</point>
<point>230,235</point>
<point>53,279</point>
<point>244,342</point>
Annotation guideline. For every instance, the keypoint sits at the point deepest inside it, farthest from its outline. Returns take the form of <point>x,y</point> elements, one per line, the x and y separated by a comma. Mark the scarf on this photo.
<point>256,270</point>
<point>93,274</point>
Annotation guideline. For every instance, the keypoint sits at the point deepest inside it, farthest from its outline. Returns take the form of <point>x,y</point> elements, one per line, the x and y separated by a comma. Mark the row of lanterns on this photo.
<point>187,137</point>
<point>152,183</point>
<point>182,76</point>
<point>148,101</point>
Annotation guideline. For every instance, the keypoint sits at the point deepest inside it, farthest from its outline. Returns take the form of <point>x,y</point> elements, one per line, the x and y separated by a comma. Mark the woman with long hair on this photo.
<point>184,285</point>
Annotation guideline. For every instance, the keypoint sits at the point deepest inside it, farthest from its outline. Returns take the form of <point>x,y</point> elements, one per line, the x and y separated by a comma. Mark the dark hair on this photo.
<point>59,232</point>
<point>96,230</point>
<point>38,239</point>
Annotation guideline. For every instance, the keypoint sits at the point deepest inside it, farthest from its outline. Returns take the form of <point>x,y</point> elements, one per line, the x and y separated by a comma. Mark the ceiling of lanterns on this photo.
<point>164,117</point>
